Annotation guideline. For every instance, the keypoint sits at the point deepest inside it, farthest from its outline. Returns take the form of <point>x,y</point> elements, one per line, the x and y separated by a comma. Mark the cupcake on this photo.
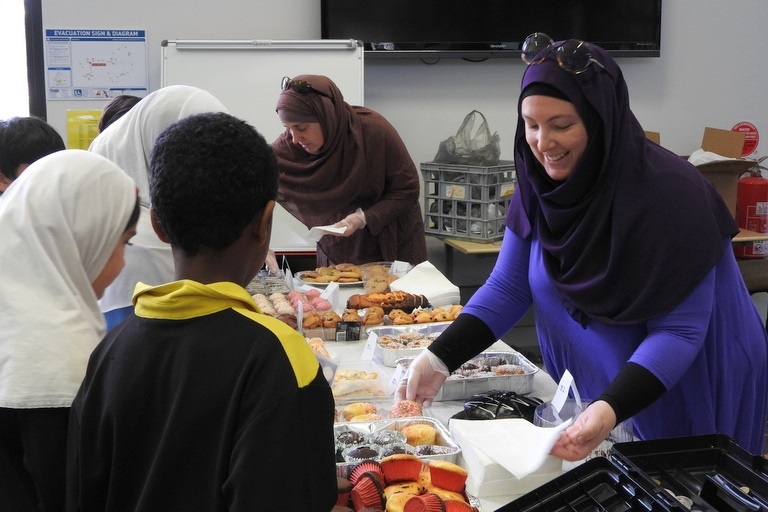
<point>345,489</point>
<point>427,502</point>
<point>361,452</point>
<point>411,488</point>
<point>349,438</point>
<point>405,409</point>
<point>457,506</point>
<point>349,411</point>
<point>396,502</point>
<point>386,437</point>
<point>433,449</point>
<point>418,434</point>
<point>395,449</point>
<point>368,492</point>
<point>447,475</point>
<point>400,468</point>
<point>445,494</point>
<point>368,466</point>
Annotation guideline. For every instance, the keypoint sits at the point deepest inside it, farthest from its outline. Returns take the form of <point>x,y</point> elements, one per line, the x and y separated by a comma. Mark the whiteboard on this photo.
<point>245,76</point>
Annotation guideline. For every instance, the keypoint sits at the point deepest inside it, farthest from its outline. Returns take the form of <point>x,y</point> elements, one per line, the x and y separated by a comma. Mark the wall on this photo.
<point>712,72</point>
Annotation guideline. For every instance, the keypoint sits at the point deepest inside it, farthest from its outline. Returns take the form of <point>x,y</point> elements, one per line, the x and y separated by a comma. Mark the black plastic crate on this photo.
<point>466,201</point>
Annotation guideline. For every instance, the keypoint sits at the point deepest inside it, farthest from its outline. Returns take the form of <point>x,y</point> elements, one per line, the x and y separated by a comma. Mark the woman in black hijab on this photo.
<point>624,251</point>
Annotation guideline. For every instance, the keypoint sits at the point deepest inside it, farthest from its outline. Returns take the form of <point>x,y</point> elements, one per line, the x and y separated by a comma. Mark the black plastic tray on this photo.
<point>711,470</point>
<point>598,484</point>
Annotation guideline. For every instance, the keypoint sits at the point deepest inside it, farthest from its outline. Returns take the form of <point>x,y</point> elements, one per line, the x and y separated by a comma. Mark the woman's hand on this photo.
<point>589,429</point>
<point>423,380</point>
<point>352,222</point>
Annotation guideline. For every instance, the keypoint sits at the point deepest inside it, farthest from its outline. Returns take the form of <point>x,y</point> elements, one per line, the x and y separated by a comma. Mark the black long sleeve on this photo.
<point>466,337</point>
<point>633,389</point>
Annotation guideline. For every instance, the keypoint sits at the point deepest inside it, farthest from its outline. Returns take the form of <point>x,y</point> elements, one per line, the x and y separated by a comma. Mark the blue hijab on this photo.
<point>635,228</point>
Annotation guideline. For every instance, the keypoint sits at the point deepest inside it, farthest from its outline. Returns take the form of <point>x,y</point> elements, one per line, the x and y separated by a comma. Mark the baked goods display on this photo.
<point>285,306</point>
<point>405,340</point>
<point>404,483</point>
<point>341,273</point>
<point>388,301</point>
<point>356,383</point>
<point>487,366</point>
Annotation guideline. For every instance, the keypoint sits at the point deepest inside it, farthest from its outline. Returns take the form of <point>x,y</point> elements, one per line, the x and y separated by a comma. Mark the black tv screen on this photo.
<point>491,28</point>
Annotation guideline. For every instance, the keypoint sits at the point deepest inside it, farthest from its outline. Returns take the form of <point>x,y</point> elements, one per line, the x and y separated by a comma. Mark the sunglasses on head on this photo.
<point>299,86</point>
<point>572,55</point>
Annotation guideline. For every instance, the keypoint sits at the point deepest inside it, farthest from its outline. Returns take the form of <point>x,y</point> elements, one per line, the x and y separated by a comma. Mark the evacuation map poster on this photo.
<point>85,64</point>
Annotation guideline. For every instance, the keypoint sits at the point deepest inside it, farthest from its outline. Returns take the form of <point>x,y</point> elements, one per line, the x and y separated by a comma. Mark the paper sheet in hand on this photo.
<point>516,444</point>
<point>317,232</point>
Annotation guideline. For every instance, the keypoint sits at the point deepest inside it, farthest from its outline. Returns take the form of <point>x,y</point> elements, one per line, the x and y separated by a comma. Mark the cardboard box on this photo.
<point>724,175</point>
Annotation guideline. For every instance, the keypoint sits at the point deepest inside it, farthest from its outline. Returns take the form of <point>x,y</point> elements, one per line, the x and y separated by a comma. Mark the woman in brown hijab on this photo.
<point>346,166</point>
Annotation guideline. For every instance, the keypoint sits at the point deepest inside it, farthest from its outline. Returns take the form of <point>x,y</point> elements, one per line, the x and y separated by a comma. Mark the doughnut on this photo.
<point>405,409</point>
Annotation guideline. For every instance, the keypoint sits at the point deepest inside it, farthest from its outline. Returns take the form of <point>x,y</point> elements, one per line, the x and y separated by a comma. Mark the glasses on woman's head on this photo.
<point>572,55</point>
<point>299,86</point>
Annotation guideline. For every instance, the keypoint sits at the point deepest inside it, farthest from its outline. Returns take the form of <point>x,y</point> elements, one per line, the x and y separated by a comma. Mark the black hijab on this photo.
<point>634,228</point>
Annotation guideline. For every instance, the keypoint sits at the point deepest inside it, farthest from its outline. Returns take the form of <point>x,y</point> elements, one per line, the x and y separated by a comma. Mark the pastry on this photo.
<point>330,319</point>
<point>447,475</point>
<point>411,488</point>
<point>400,468</point>
<point>419,434</point>
<point>388,301</point>
<point>405,409</point>
<point>351,315</point>
<point>396,502</point>
<point>318,347</point>
<point>349,411</point>
<point>373,316</point>
<point>426,502</point>
<point>445,494</point>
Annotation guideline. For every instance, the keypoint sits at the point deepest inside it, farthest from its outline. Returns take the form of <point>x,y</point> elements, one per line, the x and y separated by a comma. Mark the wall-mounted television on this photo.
<point>480,29</point>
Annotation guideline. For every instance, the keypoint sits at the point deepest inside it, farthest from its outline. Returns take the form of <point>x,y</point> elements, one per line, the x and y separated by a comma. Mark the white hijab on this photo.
<point>129,142</point>
<point>59,224</point>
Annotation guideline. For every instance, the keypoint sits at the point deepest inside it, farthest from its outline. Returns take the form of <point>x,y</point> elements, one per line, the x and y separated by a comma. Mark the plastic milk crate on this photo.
<point>465,201</point>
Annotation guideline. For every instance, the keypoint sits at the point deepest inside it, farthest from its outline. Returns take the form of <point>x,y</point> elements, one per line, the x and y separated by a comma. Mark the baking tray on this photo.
<point>466,388</point>
<point>713,471</point>
<point>597,484</point>
<point>443,438</point>
<point>389,356</point>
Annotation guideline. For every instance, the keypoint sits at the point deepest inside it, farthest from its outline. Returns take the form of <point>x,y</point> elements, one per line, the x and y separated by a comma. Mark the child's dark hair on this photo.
<point>24,140</point>
<point>116,109</point>
<point>209,176</point>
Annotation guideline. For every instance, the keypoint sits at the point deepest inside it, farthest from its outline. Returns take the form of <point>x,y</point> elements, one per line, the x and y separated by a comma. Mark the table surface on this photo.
<point>470,247</point>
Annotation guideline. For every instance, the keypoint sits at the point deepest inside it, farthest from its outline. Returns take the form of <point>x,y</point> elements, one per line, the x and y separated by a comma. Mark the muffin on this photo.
<point>447,475</point>
<point>405,409</point>
<point>400,468</point>
<point>361,453</point>
<point>445,494</point>
<point>368,492</point>
<point>349,411</point>
<point>427,502</point>
<point>368,466</point>
<point>396,502</point>
<point>457,506</point>
<point>348,438</point>
<point>419,434</point>
<point>411,488</point>
<point>345,490</point>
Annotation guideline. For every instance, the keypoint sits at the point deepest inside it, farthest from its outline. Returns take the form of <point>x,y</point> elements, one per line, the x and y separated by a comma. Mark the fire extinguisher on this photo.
<point>752,211</point>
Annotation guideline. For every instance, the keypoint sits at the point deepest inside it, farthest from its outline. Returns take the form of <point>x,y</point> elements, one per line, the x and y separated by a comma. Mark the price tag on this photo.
<point>566,381</point>
<point>370,346</point>
<point>331,293</point>
<point>394,381</point>
<point>399,267</point>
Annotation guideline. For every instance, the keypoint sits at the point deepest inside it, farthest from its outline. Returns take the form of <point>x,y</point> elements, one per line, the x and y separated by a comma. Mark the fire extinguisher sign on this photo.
<point>751,137</point>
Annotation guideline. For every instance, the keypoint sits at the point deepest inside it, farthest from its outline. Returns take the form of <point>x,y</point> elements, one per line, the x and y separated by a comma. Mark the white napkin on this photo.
<point>425,279</point>
<point>317,232</point>
<point>516,444</point>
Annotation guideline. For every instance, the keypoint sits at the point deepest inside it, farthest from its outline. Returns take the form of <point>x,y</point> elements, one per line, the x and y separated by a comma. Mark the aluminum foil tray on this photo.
<point>389,356</point>
<point>465,388</point>
<point>442,439</point>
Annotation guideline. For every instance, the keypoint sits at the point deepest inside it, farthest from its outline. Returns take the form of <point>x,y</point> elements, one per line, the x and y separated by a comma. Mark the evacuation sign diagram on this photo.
<point>95,64</point>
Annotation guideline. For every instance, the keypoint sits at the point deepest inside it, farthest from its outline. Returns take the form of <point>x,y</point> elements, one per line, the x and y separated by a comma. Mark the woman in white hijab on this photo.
<point>63,225</point>
<point>128,142</point>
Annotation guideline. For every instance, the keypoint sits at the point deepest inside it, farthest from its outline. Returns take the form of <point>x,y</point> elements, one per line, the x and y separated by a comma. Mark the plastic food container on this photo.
<point>464,388</point>
<point>353,382</point>
<point>389,356</point>
<point>378,275</point>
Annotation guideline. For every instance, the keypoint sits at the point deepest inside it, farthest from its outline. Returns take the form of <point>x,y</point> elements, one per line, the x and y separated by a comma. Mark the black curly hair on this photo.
<point>24,140</point>
<point>209,176</point>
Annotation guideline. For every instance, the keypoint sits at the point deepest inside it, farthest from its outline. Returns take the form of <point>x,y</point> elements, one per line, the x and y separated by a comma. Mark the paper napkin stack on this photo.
<point>506,457</point>
<point>425,279</point>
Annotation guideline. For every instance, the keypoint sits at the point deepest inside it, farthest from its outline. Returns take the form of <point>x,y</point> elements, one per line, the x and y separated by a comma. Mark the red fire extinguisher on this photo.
<point>752,212</point>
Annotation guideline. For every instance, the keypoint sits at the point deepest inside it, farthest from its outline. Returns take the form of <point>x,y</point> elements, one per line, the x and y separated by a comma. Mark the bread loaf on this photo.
<point>388,301</point>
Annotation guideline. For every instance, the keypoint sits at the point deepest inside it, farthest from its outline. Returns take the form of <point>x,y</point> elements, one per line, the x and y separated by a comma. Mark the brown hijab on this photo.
<point>315,188</point>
